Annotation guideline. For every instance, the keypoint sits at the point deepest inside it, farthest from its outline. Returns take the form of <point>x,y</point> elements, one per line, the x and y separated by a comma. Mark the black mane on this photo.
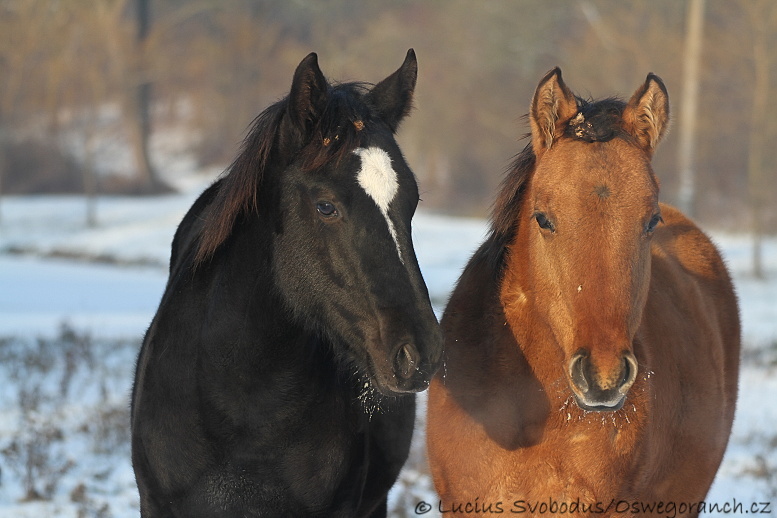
<point>336,134</point>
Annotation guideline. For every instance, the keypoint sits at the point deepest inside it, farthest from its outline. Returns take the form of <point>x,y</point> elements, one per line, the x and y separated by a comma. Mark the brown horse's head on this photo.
<point>586,218</point>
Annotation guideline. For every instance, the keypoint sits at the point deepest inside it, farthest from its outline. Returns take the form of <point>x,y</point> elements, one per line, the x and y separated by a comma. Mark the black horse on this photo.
<point>277,376</point>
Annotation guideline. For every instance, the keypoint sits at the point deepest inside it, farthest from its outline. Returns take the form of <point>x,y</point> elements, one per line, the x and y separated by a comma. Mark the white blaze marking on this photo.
<point>379,181</point>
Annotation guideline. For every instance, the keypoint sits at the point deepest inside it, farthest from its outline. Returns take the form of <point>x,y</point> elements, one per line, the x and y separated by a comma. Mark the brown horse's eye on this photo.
<point>544,222</point>
<point>653,223</point>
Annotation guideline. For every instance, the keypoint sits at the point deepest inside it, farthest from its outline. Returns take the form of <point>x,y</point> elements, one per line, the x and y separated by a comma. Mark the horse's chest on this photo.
<point>309,442</point>
<point>585,460</point>
<point>580,458</point>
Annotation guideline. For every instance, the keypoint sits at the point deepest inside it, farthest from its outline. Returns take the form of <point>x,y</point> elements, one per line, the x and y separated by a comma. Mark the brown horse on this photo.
<point>592,342</point>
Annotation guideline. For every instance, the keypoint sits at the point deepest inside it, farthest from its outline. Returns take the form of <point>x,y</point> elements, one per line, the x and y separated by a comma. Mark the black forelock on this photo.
<point>597,121</point>
<point>340,126</point>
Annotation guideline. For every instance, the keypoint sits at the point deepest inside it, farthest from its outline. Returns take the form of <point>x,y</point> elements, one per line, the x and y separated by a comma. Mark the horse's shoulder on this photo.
<point>688,271</point>
<point>682,243</point>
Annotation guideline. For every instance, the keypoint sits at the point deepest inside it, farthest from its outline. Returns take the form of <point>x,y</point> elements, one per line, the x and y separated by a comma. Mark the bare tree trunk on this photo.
<point>90,173</point>
<point>138,120</point>
<point>755,166</point>
<point>140,104</point>
<point>2,170</point>
<point>142,98</point>
<point>694,31</point>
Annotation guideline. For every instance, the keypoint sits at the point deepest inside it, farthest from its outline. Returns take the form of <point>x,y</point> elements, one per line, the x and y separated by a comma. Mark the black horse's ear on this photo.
<point>646,116</point>
<point>308,95</point>
<point>552,106</point>
<point>393,97</point>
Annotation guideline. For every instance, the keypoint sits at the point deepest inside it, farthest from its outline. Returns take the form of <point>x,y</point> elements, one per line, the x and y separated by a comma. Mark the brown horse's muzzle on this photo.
<point>599,390</point>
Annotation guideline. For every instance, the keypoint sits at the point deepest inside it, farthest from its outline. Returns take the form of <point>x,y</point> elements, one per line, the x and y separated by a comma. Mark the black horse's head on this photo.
<point>324,171</point>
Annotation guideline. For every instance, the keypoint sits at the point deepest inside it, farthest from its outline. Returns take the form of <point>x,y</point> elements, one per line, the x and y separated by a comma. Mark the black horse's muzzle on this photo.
<point>412,371</point>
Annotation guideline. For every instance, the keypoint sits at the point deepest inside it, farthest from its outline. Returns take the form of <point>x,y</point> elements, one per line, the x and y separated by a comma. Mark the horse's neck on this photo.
<point>530,328</point>
<point>238,291</point>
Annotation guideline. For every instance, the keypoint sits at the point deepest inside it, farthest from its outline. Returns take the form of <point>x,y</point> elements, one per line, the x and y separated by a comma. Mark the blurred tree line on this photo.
<point>73,75</point>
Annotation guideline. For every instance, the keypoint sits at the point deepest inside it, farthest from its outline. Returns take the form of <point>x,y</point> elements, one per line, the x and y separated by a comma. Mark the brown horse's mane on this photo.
<point>595,121</point>
<point>335,134</point>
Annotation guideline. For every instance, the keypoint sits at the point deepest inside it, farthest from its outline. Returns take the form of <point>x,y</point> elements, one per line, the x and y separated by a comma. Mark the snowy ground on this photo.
<point>74,302</point>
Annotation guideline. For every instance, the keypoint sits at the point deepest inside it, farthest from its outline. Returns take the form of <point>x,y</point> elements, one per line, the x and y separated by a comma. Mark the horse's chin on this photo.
<point>392,386</point>
<point>376,385</point>
<point>375,397</point>
<point>598,406</point>
<point>398,377</point>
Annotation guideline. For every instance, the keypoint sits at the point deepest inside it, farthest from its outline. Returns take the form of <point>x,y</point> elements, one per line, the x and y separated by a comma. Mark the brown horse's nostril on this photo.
<point>406,361</point>
<point>577,372</point>
<point>593,392</point>
<point>630,367</point>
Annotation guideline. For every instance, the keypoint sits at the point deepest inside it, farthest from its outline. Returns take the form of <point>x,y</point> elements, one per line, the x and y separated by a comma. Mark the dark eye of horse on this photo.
<point>326,209</point>
<point>654,221</point>
<point>544,222</point>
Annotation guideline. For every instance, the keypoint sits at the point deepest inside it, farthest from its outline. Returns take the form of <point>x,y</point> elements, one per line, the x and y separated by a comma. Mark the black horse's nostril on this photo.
<point>406,361</point>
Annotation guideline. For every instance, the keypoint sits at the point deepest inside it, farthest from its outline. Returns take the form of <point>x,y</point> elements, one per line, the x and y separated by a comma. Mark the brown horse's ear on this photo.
<point>552,106</point>
<point>308,95</point>
<point>393,97</point>
<point>646,116</point>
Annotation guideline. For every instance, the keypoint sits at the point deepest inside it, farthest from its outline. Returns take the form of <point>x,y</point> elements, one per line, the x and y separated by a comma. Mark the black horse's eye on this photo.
<point>654,221</point>
<point>544,222</point>
<point>326,208</point>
